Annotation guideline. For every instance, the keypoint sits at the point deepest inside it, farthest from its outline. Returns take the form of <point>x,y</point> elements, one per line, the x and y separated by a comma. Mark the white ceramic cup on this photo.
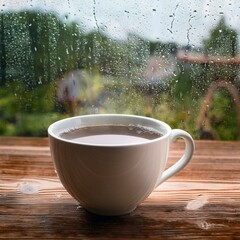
<point>114,179</point>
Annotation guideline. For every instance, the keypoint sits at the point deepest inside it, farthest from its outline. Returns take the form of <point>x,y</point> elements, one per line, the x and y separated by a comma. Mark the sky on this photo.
<point>181,21</point>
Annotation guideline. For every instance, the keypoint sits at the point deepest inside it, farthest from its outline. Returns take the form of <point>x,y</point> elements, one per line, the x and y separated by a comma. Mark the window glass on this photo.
<point>175,60</point>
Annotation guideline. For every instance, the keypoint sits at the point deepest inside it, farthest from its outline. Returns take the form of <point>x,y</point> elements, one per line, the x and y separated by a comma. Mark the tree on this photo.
<point>222,41</point>
<point>34,46</point>
<point>2,53</point>
<point>223,44</point>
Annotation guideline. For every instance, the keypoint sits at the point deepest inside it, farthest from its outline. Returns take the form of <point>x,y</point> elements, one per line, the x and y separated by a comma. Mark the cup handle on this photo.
<point>184,160</point>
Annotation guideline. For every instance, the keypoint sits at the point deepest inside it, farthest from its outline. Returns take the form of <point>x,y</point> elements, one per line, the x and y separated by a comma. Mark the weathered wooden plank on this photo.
<point>23,141</point>
<point>201,202</point>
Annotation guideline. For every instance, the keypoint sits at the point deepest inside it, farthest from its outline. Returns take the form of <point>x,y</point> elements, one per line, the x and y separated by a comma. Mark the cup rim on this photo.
<point>57,136</point>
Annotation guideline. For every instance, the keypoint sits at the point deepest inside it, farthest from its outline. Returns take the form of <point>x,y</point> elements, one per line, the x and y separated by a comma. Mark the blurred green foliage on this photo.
<point>37,48</point>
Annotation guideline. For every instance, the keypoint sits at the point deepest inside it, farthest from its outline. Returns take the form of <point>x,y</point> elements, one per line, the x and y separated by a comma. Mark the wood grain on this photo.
<point>201,202</point>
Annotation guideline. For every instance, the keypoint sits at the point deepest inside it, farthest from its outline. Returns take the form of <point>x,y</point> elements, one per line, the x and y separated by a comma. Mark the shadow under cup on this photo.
<point>113,178</point>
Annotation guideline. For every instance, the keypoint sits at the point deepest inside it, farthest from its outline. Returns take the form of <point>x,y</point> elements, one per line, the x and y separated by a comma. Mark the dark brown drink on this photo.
<point>111,134</point>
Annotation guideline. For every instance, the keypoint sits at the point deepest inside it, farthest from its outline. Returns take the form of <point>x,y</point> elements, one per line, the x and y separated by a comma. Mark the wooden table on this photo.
<point>201,202</point>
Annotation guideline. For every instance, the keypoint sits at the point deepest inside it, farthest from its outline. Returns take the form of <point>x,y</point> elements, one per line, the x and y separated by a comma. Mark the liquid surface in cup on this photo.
<point>111,134</point>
